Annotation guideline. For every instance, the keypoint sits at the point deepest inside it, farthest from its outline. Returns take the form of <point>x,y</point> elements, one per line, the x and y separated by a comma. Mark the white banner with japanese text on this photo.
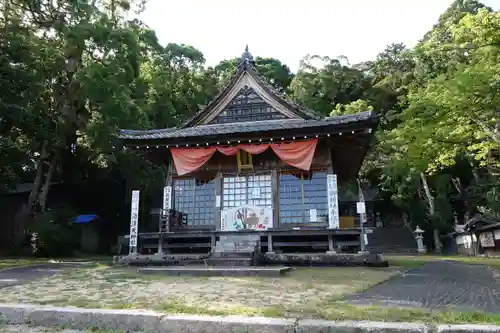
<point>333,202</point>
<point>134,222</point>
<point>167,199</point>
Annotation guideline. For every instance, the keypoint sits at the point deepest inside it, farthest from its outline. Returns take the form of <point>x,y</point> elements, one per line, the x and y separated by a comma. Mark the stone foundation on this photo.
<point>193,270</point>
<point>282,259</point>
<point>158,259</point>
<point>324,259</point>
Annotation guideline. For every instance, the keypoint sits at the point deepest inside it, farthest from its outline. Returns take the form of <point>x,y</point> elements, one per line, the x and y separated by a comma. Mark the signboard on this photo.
<point>246,217</point>
<point>167,199</point>
<point>333,202</point>
<point>134,222</point>
<point>360,207</point>
<point>313,215</point>
<point>487,239</point>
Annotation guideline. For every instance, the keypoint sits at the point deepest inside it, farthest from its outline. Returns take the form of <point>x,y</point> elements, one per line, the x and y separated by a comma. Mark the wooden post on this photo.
<point>160,244</point>
<point>218,200</point>
<point>167,203</point>
<point>270,244</point>
<point>331,248</point>
<point>275,198</point>
<point>213,242</point>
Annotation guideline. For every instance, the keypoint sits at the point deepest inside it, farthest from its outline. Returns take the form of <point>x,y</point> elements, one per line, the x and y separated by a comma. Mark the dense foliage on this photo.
<point>73,72</point>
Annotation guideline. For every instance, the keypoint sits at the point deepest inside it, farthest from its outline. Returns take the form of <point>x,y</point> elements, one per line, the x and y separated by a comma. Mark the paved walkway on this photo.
<point>439,285</point>
<point>20,275</point>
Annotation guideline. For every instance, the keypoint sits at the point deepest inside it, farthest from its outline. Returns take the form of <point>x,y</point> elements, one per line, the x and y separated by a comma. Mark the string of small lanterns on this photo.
<point>258,141</point>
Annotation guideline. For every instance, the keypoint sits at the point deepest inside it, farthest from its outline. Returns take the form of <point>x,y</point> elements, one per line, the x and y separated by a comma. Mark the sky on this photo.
<point>289,30</point>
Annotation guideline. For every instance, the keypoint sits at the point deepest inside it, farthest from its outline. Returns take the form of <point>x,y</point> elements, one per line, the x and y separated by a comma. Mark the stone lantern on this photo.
<point>419,238</point>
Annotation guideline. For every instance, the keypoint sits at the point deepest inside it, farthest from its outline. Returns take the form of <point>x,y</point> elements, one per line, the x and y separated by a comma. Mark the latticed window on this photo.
<point>301,192</point>
<point>247,189</point>
<point>196,200</point>
<point>247,106</point>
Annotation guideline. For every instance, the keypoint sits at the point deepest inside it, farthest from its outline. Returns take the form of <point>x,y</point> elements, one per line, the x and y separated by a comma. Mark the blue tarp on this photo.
<point>85,218</point>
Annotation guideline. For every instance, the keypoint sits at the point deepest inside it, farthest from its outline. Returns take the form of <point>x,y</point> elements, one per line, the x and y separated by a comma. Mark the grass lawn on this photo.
<point>17,262</point>
<point>9,263</point>
<point>305,293</point>
<point>415,261</point>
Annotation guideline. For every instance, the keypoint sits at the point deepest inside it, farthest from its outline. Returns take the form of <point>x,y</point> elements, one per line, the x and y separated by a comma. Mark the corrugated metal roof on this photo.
<point>242,127</point>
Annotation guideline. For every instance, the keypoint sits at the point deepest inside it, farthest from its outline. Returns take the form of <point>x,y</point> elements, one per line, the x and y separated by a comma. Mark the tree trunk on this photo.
<point>48,178</point>
<point>432,213</point>
<point>33,198</point>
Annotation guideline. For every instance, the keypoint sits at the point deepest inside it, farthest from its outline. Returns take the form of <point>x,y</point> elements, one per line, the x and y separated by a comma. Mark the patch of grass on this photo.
<point>100,330</point>
<point>11,263</point>
<point>104,261</point>
<point>340,311</point>
<point>179,307</point>
<point>419,260</point>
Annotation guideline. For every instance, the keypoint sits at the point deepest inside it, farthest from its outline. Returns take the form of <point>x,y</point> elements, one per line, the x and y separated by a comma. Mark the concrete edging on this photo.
<point>150,321</point>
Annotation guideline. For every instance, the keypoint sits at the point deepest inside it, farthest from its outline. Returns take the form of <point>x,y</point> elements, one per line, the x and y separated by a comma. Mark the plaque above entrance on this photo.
<point>246,217</point>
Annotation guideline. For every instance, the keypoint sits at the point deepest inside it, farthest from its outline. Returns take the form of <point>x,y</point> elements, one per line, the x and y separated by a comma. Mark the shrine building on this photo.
<point>254,162</point>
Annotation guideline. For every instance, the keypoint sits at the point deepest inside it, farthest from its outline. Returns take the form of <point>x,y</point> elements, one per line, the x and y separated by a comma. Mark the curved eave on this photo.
<point>205,133</point>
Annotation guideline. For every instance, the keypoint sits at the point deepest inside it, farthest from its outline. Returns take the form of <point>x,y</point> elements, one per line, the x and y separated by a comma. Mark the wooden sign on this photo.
<point>487,239</point>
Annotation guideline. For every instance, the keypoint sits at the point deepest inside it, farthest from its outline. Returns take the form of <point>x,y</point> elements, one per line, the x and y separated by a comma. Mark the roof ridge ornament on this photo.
<point>246,56</point>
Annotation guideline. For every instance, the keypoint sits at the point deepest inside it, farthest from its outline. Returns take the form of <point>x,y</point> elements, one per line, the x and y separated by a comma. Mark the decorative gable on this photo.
<point>247,98</point>
<point>247,106</point>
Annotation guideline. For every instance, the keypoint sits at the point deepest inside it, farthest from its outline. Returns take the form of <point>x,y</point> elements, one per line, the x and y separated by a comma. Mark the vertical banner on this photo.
<point>167,200</point>
<point>333,202</point>
<point>134,222</point>
<point>361,207</point>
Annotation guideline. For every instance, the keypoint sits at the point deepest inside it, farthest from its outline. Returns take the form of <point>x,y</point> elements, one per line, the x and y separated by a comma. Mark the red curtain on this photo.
<point>298,154</point>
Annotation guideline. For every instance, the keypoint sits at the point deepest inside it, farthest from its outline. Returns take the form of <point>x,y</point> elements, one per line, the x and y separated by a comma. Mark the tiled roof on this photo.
<point>243,127</point>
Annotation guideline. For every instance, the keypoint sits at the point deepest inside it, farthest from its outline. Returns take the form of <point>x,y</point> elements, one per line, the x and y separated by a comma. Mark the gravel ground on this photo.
<point>304,291</point>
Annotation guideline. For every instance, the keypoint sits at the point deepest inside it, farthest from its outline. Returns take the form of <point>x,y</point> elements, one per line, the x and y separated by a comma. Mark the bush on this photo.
<point>57,236</point>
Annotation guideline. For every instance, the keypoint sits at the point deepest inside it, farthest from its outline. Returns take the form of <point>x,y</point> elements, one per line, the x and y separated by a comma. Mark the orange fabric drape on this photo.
<point>187,160</point>
<point>298,154</point>
<point>251,149</point>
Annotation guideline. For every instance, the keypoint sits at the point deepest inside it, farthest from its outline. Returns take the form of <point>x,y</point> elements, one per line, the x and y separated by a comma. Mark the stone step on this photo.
<point>233,254</point>
<point>216,271</point>
<point>215,261</point>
